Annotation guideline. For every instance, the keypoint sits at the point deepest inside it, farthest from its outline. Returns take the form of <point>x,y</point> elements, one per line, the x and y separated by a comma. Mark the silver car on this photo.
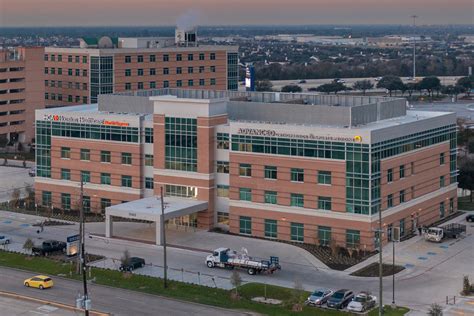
<point>319,297</point>
<point>4,240</point>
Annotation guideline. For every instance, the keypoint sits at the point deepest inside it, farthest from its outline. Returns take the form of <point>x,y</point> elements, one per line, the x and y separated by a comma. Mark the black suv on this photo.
<point>132,264</point>
<point>340,299</point>
<point>470,218</point>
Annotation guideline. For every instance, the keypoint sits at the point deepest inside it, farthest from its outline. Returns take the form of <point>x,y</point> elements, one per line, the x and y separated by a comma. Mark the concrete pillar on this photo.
<point>109,223</point>
<point>158,231</point>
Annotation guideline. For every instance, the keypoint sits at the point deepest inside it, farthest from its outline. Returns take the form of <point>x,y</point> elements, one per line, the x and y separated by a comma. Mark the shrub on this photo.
<point>466,286</point>
<point>28,245</point>
<point>435,310</point>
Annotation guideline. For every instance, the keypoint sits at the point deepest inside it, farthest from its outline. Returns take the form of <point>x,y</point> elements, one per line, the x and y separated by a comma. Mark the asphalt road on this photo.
<point>106,299</point>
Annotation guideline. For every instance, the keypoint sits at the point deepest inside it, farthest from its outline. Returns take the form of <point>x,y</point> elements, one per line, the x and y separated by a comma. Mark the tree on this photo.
<point>30,197</point>
<point>15,197</point>
<point>391,83</point>
<point>236,280</point>
<point>435,310</point>
<point>466,285</point>
<point>467,83</point>
<point>297,296</point>
<point>363,85</point>
<point>291,88</point>
<point>466,175</point>
<point>28,245</point>
<point>125,257</point>
<point>331,87</point>
<point>430,84</point>
<point>410,88</point>
<point>263,85</point>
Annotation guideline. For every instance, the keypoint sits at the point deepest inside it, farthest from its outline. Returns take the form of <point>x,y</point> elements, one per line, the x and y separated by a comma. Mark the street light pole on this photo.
<point>380,264</point>
<point>163,239</point>
<point>414,46</point>
<point>393,272</point>
<point>82,241</point>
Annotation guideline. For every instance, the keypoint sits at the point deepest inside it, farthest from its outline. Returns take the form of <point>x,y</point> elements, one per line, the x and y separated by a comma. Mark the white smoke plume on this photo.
<point>188,20</point>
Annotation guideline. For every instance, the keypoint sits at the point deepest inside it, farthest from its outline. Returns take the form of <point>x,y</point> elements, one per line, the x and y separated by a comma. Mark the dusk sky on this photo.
<point>225,12</point>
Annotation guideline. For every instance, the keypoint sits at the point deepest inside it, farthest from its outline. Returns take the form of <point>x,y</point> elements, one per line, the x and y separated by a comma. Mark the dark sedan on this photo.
<point>470,218</point>
<point>132,264</point>
<point>340,299</point>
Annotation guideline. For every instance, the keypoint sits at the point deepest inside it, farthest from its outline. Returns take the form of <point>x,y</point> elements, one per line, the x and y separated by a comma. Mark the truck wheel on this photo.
<point>210,264</point>
<point>251,271</point>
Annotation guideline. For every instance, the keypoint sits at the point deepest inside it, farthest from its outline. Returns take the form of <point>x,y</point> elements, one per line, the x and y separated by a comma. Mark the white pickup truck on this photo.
<point>227,258</point>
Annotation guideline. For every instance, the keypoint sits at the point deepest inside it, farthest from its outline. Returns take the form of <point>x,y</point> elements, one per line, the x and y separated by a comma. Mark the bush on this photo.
<point>435,310</point>
<point>28,245</point>
<point>466,286</point>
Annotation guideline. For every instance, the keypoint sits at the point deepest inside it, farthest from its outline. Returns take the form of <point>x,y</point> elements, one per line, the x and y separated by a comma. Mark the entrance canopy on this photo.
<point>149,209</point>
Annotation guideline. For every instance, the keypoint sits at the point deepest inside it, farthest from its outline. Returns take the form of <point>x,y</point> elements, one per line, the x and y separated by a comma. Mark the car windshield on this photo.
<point>338,295</point>
<point>47,280</point>
<point>317,293</point>
<point>361,299</point>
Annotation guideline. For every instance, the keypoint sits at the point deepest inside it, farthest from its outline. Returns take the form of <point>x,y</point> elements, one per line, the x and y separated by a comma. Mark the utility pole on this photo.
<point>163,239</point>
<point>414,46</point>
<point>85,298</point>
<point>379,235</point>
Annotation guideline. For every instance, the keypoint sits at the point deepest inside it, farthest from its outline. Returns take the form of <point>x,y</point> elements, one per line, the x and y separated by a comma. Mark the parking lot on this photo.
<point>12,178</point>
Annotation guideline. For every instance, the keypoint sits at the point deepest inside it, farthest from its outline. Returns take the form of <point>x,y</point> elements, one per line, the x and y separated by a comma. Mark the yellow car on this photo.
<point>40,281</point>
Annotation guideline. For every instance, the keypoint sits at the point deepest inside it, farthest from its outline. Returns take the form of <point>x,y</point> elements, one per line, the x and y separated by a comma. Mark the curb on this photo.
<point>60,305</point>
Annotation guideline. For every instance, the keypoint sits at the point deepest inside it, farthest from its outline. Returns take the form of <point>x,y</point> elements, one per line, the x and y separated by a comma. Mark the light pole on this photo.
<point>414,46</point>
<point>85,299</point>
<point>379,235</point>
<point>163,239</point>
<point>395,238</point>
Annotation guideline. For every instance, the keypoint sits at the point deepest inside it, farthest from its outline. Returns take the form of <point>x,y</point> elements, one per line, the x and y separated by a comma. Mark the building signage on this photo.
<point>273,133</point>
<point>250,78</point>
<point>82,120</point>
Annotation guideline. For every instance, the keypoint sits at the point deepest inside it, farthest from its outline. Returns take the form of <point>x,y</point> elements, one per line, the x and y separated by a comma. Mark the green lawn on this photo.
<point>178,290</point>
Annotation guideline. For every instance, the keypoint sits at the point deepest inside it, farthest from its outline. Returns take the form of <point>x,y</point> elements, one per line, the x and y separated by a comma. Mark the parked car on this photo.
<point>319,297</point>
<point>378,78</point>
<point>32,172</point>
<point>40,281</point>
<point>340,80</point>
<point>132,264</point>
<point>362,302</point>
<point>340,299</point>
<point>4,240</point>
<point>470,218</point>
<point>302,81</point>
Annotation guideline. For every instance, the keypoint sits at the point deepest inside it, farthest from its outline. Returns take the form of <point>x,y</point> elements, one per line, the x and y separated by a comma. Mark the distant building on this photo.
<point>21,92</point>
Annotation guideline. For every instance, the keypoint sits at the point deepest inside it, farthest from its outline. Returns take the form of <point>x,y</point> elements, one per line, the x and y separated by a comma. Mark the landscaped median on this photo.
<point>182,291</point>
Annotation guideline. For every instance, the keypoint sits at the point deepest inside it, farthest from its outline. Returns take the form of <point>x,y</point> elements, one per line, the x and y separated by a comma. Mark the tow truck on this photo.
<point>227,258</point>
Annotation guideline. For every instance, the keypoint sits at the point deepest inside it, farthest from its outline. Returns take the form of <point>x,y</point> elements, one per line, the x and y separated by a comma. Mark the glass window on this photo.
<point>152,58</point>
<point>86,203</point>
<point>245,194</point>
<point>179,83</point>
<point>222,190</point>
<point>213,81</point>
<point>212,68</point>
<point>181,144</point>
<point>202,82</point>
<point>179,57</point>
<point>166,84</point>
<point>179,70</point>
<point>105,178</point>
<point>65,152</point>
<point>85,154</point>
<point>46,198</point>
<point>222,141</point>
<point>325,203</point>
<point>402,171</point>
<point>190,82</point>
<point>140,58</point>
<point>128,86</point>
<point>190,70</point>
<point>271,197</point>
<point>153,71</point>
<point>402,227</point>
<point>402,196</point>
<point>166,57</point>
<point>441,181</point>
<point>127,181</point>
<point>104,203</point>
<point>190,56</point>
<point>66,201</point>
<point>140,86</point>
<point>201,69</point>
<point>352,239</point>
<point>65,174</point>
<point>166,71</point>
<point>126,158</point>
<point>84,59</point>
<point>222,166</point>
<point>149,160</point>
<point>441,159</point>
<point>128,59</point>
<point>297,200</point>
<point>77,59</point>
<point>149,183</point>
<point>297,232</point>
<point>223,218</point>
<point>181,191</point>
<point>324,235</point>
<point>86,176</point>
<point>245,170</point>
<point>69,59</point>
<point>441,210</point>
<point>201,56</point>
<point>324,177</point>
<point>148,135</point>
<point>390,201</point>
<point>105,156</point>
<point>245,225</point>
<point>389,175</point>
<point>152,84</point>
<point>297,175</point>
<point>128,72</point>
<point>271,228</point>
<point>270,172</point>
<point>212,56</point>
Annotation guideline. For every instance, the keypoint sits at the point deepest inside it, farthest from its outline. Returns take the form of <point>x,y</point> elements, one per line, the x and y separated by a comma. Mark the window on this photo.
<point>140,72</point>
<point>86,176</point>
<point>402,196</point>
<point>190,70</point>
<point>128,86</point>
<point>166,71</point>
<point>212,68</point>
<point>245,225</point>
<point>149,160</point>
<point>66,201</point>
<point>213,81</point>
<point>84,72</point>
<point>104,203</point>
<point>451,205</point>
<point>86,203</point>
<point>297,232</point>
<point>179,57</point>
<point>46,198</point>
<point>402,171</point>
<point>127,181</point>
<point>53,70</point>
<point>222,166</point>
<point>190,82</point>
<point>222,190</point>
<point>190,56</point>
<point>245,170</point>
<point>77,58</point>
<point>153,71</point>
<point>104,156</point>
<point>60,71</point>
<point>270,172</point>
<point>84,59</point>
<point>270,197</point>
<point>412,168</point>
<point>201,56</point>
<point>402,227</point>
<point>166,57</point>
<point>324,235</point>
<point>245,194</point>
<point>324,203</point>
<point>46,70</point>
<point>389,175</point>
<point>441,159</point>
<point>297,175</point>
<point>179,70</point>
<point>140,86</point>
<point>324,177</point>
<point>212,56</point>
<point>352,239</point>
<point>441,181</point>
<point>45,57</point>
<point>65,152</point>
<point>201,69</point>
<point>271,228</point>
<point>69,59</point>
<point>126,158</point>
<point>441,210</point>
<point>152,84</point>
<point>202,82</point>
<point>223,218</point>
<point>179,83</point>
<point>77,72</point>
<point>105,178</point>
<point>166,84</point>
<point>69,98</point>
<point>65,174</point>
<point>149,183</point>
<point>139,58</point>
<point>128,72</point>
<point>128,59</point>
<point>297,200</point>
<point>69,72</point>
<point>152,58</point>
<point>222,141</point>
<point>390,201</point>
<point>148,135</point>
<point>84,100</point>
